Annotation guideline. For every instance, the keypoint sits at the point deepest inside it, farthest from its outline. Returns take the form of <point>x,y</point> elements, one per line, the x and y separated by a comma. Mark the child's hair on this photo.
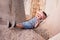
<point>44,13</point>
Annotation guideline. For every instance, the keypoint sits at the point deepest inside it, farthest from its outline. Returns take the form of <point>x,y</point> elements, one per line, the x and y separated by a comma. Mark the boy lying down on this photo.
<point>32,23</point>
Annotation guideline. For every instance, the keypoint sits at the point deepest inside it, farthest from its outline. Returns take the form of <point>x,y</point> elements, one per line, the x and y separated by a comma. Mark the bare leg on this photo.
<point>19,26</point>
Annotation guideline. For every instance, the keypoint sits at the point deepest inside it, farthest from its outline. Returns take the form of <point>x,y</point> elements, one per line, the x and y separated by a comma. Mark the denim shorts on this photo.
<point>29,24</point>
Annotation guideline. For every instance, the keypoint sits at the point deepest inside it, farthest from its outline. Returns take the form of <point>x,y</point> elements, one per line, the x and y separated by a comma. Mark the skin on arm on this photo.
<point>37,23</point>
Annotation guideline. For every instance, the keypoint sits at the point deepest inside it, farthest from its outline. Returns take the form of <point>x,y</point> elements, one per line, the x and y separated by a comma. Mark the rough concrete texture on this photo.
<point>18,34</point>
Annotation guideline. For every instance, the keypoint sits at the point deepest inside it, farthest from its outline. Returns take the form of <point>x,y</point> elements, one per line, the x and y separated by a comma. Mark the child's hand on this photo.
<point>39,15</point>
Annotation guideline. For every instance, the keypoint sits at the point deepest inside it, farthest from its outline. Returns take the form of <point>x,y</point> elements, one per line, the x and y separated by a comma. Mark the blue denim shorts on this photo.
<point>29,24</point>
